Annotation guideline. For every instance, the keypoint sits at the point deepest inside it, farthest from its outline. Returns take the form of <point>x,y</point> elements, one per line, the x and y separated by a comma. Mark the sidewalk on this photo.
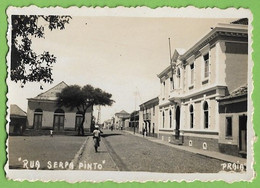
<point>88,159</point>
<point>211,154</point>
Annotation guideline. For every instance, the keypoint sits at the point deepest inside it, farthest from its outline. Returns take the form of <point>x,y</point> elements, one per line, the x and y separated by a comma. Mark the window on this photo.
<point>192,73</point>
<point>228,126</point>
<point>179,77</point>
<point>206,115</point>
<point>163,119</point>
<point>153,110</point>
<point>170,113</point>
<point>191,117</point>
<point>206,65</point>
<point>163,89</point>
<point>172,83</point>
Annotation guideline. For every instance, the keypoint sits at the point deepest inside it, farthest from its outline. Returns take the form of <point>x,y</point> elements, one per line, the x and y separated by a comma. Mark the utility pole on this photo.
<point>171,63</point>
<point>135,93</point>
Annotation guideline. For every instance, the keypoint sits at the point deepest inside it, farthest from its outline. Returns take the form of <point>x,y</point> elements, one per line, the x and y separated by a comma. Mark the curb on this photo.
<point>78,155</point>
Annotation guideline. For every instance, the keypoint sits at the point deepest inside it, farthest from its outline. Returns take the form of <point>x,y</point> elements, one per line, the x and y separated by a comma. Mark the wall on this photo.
<point>236,65</point>
<point>198,114</point>
<point>48,115</point>
<point>232,110</point>
<point>154,119</point>
<point>197,142</point>
<point>141,121</point>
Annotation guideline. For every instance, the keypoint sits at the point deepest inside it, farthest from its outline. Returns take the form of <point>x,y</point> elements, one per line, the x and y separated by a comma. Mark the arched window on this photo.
<point>37,120</point>
<point>191,116</point>
<point>164,92</point>
<point>206,115</point>
<point>172,83</point>
<point>170,113</point>
<point>179,77</point>
<point>163,117</point>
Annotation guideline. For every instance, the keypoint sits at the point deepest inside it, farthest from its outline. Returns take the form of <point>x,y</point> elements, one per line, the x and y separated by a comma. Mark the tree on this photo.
<point>27,65</point>
<point>82,98</point>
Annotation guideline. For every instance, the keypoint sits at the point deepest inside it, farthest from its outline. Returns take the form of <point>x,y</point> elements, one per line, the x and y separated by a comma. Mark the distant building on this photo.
<point>44,113</point>
<point>148,117</point>
<point>18,119</point>
<point>120,118</point>
<point>196,104</point>
<point>134,121</point>
<point>108,123</point>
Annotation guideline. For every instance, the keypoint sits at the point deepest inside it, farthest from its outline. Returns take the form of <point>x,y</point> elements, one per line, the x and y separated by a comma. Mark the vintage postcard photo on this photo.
<point>129,94</point>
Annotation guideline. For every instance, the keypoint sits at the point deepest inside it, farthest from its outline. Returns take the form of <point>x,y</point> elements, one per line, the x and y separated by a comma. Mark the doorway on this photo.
<point>177,129</point>
<point>37,119</point>
<point>243,134</point>
<point>58,121</point>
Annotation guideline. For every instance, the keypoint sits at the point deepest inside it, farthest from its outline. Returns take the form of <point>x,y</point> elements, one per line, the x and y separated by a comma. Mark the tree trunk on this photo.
<point>81,128</point>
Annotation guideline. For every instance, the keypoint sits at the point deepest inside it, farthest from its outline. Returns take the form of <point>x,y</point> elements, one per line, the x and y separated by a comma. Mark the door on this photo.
<point>79,119</point>
<point>243,133</point>
<point>177,129</point>
<point>58,122</point>
<point>37,121</point>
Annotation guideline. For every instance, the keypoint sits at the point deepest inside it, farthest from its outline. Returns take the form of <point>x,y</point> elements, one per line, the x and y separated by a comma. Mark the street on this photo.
<point>118,151</point>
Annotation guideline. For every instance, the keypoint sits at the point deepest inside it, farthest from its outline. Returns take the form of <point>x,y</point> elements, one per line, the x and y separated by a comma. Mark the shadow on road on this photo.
<point>112,134</point>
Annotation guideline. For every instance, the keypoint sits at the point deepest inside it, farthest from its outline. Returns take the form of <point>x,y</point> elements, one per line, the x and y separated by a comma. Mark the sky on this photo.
<point>121,55</point>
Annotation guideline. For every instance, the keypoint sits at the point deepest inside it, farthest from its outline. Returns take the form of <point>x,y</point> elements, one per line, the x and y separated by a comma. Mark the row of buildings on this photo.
<point>203,98</point>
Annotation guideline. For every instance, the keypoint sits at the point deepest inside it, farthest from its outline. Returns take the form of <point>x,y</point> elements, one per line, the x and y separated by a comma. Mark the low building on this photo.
<point>233,122</point>
<point>43,113</point>
<point>148,117</point>
<point>120,118</point>
<point>18,120</point>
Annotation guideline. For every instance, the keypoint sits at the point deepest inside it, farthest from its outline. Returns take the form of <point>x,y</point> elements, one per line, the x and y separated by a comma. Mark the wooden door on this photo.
<point>37,121</point>
<point>243,134</point>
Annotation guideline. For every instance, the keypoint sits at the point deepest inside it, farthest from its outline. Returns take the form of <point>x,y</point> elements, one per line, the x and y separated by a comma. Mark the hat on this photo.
<point>96,126</point>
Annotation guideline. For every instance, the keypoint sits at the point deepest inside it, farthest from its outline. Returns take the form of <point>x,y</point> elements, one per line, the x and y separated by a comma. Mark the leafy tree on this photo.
<point>83,98</point>
<point>27,65</point>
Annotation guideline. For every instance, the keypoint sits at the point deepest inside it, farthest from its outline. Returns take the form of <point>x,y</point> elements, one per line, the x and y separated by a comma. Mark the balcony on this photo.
<point>147,116</point>
<point>176,94</point>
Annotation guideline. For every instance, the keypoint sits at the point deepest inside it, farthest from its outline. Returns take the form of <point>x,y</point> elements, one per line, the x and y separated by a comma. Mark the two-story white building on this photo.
<point>194,82</point>
<point>148,117</point>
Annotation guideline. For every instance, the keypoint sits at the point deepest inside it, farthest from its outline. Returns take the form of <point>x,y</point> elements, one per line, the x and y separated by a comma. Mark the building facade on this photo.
<point>190,113</point>
<point>43,113</point>
<point>121,120</point>
<point>134,121</point>
<point>18,120</point>
<point>148,117</point>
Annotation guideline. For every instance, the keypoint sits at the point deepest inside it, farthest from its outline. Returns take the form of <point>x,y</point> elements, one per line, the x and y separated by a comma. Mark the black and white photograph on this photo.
<point>129,94</point>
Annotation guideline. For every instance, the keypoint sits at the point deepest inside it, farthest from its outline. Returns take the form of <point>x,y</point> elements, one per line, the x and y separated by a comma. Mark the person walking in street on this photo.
<point>96,137</point>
